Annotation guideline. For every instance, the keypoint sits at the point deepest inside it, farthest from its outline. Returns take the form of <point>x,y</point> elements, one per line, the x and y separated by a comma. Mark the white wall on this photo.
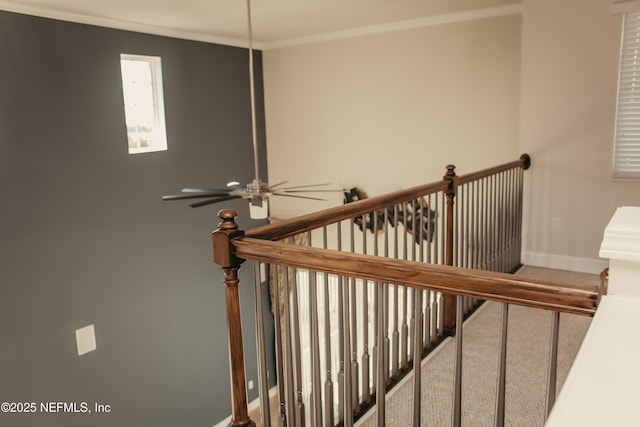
<point>569,78</point>
<point>388,111</point>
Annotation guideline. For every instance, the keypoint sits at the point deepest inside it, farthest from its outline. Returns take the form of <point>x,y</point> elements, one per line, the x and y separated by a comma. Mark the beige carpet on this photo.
<point>528,351</point>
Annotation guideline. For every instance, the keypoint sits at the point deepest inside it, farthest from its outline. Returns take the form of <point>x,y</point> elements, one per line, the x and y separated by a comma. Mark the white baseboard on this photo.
<point>563,262</point>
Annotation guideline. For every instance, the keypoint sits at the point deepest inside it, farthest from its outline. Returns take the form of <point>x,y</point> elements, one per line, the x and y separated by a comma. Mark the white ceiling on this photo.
<point>275,22</point>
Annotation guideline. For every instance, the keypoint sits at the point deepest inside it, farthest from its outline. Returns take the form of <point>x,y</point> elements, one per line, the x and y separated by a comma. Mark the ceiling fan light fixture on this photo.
<point>259,207</point>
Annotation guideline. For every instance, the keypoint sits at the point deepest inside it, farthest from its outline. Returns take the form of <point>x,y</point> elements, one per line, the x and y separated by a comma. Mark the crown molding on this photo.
<point>11,6</point>
<point>512,9</point>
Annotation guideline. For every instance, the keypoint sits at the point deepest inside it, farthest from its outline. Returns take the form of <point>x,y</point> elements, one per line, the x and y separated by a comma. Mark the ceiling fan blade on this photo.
<point>193,196</point>
<point>310,191</point>
<point>214,200</point>
<point>299,197</point>
<point>305,186</point>
<point>207,190</point>
<point>278,184</point>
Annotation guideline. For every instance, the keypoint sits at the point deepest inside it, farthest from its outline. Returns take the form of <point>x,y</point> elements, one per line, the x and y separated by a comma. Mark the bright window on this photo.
<point>143,103</point>
<point>626,151</point>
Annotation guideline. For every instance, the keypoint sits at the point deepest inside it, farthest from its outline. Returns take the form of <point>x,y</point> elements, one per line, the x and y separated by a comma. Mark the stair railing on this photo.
<point>363,290</point>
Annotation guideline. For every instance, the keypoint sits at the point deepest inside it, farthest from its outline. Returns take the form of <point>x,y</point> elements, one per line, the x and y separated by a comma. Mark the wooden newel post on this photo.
<point>450,300</point>
<point>223,256</point>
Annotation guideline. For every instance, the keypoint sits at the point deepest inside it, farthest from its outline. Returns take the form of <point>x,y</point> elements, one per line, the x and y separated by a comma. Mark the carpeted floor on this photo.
<point>528,352</point>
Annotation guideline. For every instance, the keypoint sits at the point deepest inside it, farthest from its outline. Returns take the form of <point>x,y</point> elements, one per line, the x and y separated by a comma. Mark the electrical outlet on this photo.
<point>251,385</point>
<point>85,340</point>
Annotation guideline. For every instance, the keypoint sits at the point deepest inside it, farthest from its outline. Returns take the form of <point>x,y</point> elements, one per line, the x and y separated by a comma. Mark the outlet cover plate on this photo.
<point>85,340</point>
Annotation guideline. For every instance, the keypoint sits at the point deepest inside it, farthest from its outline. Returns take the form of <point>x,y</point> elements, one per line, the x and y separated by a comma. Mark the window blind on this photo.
<point>626,151</point>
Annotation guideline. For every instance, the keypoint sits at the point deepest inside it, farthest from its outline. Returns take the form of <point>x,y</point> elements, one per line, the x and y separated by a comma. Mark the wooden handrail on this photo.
<point>304,223</point>
<point>524,162</point>
<point>501,287</point>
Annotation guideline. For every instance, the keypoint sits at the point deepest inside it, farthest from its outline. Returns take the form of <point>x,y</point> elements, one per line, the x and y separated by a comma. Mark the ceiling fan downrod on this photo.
<point>257,192</point>
<point>253,95</point>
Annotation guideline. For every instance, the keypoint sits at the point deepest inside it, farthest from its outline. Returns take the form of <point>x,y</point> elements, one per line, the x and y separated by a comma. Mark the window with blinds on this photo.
<point>626,148</point>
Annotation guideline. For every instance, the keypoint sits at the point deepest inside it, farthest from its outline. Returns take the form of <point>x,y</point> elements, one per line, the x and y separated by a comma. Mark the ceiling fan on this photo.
<point>257,192</point>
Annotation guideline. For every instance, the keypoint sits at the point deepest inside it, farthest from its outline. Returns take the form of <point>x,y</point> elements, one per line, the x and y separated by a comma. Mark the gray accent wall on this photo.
<point>85,237</point>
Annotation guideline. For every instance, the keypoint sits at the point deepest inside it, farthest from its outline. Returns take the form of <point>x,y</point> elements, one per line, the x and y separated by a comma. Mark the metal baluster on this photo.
<point>516,214</point>
<point>376,312</point>
<point>380,382</point>
<point>263,381</point>
<point>473,226</point>
<point>440,257</point>
<point>386,339</point>
<point>494,223</point>
<point>553,364</point>
<point>516,222</point>
<point>513,261</point>
<point>395,336</point>
<point>468,242</point>
<point>483,213</point>
<point>481,237</point>
<point>477,234</point>
<point>342,331</point>
<point>347,417</point>
<point>456,231</point>
<point>417,359</point>
<point>300,409</point>
<point>427,294</point>
<point>288,353</point>
<point>412,311</point>
<point>485,224</point>
<point>469,213</point>
<point>443,227</point>
<point>328,384</point>
<point>457,389</point>
<point>439,314</point>
<point>385,303</point>
<point>282,417</point>
<point>503,221</point>
<point>427,319</point>
<point>518,185</point>
<point>414,230</point>
<point>424,306</point>
<point>509,209</point>
<point>354,327</point>
<point>502,368</point>
<point>488,227</point>
<point>366,391</point>
<point>404,330</point>
<point>507,233</point>
<point>499,222</point>
<point>507,220</point>
<point>316,389</point>
<point>457,258</point>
